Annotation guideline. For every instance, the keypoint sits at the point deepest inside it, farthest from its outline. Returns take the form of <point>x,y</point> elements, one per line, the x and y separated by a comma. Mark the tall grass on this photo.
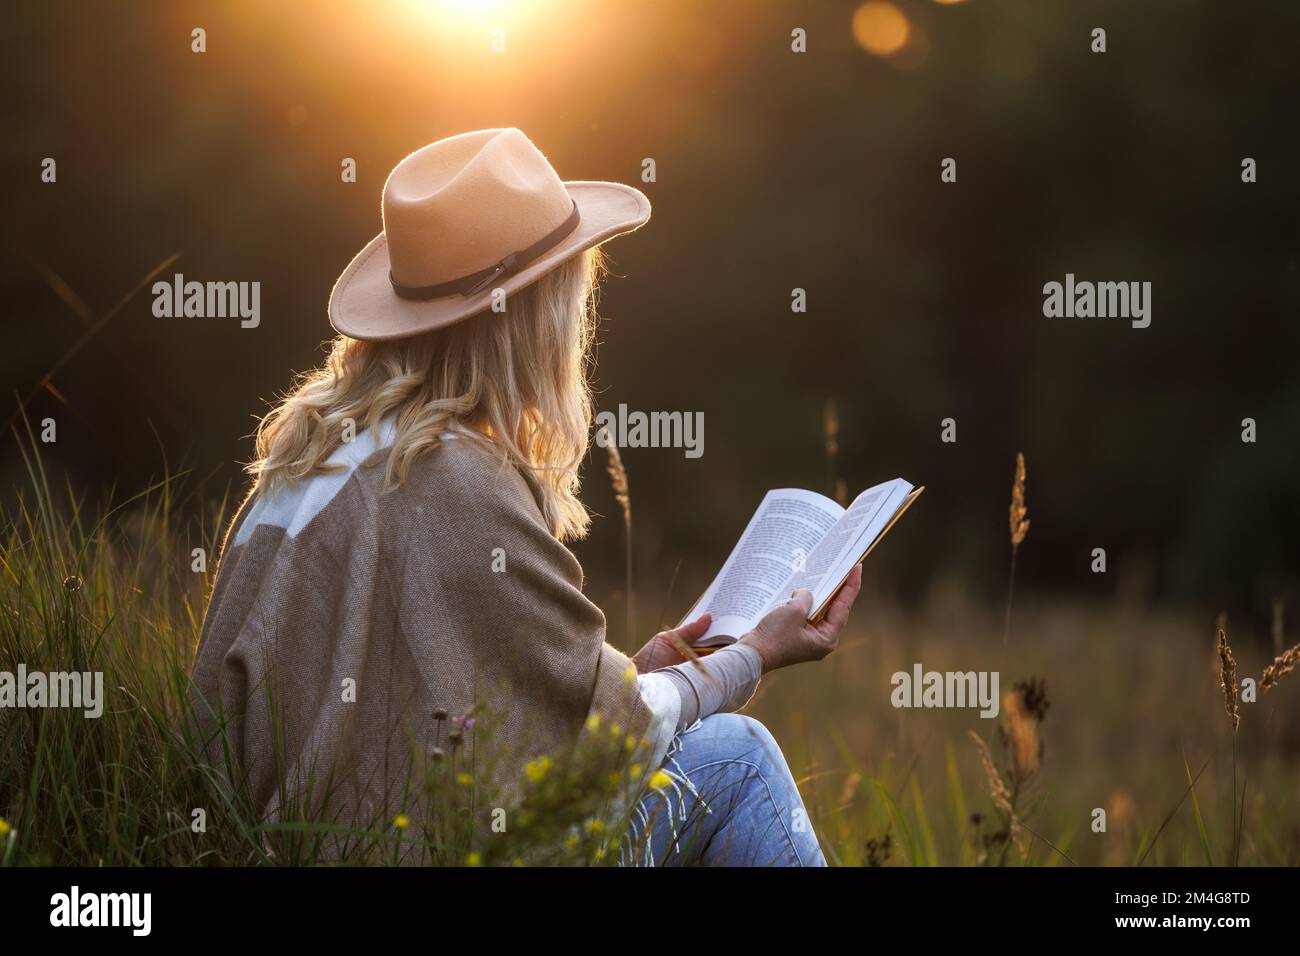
<point>114,590</point>
<point>1107,782</point>
<point>88,591</point>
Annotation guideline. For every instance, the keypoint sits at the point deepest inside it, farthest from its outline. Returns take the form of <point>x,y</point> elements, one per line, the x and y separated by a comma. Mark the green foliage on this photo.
<point>112,591</point>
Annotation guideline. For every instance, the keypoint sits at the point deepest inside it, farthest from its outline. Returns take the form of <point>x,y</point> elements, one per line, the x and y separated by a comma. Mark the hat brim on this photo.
<point>363,304</point>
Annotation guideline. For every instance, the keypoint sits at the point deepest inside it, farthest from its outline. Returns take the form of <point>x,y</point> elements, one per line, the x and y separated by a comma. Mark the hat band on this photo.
<point>476,282</point>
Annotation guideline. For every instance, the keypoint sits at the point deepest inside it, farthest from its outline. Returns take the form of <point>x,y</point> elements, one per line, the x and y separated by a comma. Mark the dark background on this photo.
<point>775,170</point>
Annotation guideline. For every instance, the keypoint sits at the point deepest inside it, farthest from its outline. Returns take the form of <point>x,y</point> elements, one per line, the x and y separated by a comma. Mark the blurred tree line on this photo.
<point>774,171</point>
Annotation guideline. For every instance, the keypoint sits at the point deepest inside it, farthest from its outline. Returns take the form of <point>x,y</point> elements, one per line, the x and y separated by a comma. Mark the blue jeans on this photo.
<point>731,802</point>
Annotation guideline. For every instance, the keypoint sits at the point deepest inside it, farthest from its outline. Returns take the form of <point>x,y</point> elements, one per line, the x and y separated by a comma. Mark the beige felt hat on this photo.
<point>467,215</point>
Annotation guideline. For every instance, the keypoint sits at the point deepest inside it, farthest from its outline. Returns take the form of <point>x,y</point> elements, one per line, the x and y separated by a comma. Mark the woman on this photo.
<point>399,559</point>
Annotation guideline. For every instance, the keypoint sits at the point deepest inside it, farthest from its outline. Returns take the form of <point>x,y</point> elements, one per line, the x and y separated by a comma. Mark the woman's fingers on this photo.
<point>694,630</point>
<point>665,648</point>
<point>838,612</point>
<point>659,651</point>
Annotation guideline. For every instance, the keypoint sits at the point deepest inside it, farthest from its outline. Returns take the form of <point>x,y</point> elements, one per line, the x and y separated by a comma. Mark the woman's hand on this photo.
<point>785,636</point>
<point>665,648</point>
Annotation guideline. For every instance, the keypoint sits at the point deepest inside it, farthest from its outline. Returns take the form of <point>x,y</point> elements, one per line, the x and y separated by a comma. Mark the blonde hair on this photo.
<point>518,378</point>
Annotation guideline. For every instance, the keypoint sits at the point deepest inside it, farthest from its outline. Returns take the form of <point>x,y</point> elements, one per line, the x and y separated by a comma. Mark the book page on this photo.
<point>842,539</point>
<point>868,516</point>
<point>788,526</point>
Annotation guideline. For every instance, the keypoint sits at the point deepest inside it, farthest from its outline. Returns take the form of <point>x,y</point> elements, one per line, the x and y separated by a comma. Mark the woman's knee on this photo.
<point>741,737</point>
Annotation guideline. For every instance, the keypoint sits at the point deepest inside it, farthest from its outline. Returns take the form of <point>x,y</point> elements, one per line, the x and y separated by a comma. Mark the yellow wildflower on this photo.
<point>4,827</point>
<point>634,770</point>
<point>658,780</point>
<point>595,826</point>
<point>536,769</point>
<point>474,859</point>
<point>629,673</point>
<point>401,821</point>
<point>593,723</point>
<point>464,779</point>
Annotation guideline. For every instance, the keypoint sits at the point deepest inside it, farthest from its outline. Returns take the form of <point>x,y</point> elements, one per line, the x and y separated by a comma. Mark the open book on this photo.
<point>796,539</point>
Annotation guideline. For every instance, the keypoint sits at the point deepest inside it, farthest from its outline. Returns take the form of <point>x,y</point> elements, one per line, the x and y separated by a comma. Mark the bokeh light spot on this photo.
<point>880,28</point>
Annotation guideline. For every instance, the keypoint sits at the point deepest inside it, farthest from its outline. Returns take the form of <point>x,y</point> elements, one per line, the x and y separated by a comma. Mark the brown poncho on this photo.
<point>345,616</point>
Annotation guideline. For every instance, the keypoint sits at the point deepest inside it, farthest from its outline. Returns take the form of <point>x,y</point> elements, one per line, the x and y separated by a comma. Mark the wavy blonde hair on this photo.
<point>520,379</point>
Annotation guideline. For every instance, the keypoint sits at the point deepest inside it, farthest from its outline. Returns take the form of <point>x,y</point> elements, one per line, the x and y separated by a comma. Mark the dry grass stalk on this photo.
<point>850,788</point>
<point>1228,680</point>
<point>831,433</point>
<point>1019,512</point>
<point>1120,808</point>
<point>831,428</point>
<point>1020,730</point>
<point>998,791</point>
<point>1019,528</point>
<point>1120,812</point>
<point>618,481</point>
<point>1282,665</point>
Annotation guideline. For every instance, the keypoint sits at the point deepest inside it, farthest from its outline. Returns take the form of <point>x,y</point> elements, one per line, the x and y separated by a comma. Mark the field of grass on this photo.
<point>1114,708</point>
<point>1134,702</point>
<point>119,591</point>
